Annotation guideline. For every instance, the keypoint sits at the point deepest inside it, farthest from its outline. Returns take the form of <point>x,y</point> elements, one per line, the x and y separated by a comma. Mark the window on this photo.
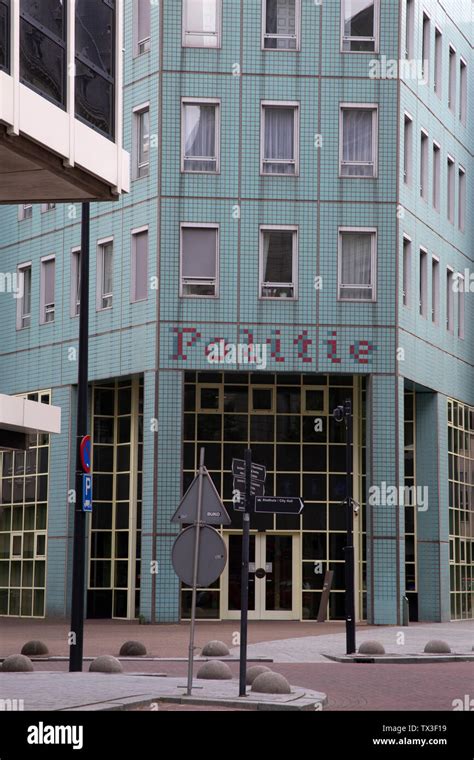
<point>279,138</point>
<point>200,135</point>
<point>410,29</point>
<point>45,207</point>
<point>75,282</point>
<point>105,275</point>
<point>199,260</point>
<point>5,35</point>
<point>425,48</point>
<point>438,63</point>
<point>142,141</point>
<point>139,282</point>
<point>201,23</point>
<point>25,211</point>
<point>95,64</point>
<point>424,166</point>
<point>461,304</point>
<point>408,150</point>
<point>357,264</point>
<point>47,304</point>
<point>423,283</point>
<point>23,314</point>
<point>462,200</point>
<point>278,262</point>
<point>358,150</point>
<point>435,290</point>
<point>281,24</point>
<point>450,190</point>
<point>43,48</point>
<point>436,175</point>
<point>450,300</point>
<point>463,91</point>
<point>142,26</point>
<point>406,271</point>
<point>359,19</point>
<point>452,79</point>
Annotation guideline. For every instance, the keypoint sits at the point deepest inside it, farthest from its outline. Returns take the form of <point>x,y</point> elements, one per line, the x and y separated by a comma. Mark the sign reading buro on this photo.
<point>87,493</point>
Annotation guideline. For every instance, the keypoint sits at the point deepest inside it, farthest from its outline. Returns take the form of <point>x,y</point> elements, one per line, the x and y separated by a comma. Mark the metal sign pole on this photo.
<point>349,550</point>
<point>195,575</point>
<point>244,606</point>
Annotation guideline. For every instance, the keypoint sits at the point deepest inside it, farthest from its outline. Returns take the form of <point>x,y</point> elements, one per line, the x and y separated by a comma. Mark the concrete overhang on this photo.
<point>19,415</point>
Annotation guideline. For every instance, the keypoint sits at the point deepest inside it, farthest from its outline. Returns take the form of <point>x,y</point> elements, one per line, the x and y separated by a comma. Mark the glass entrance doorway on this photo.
<point>273,577</point>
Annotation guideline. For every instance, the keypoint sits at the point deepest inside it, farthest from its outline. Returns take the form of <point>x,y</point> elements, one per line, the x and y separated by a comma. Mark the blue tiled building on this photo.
<point>299,221</point>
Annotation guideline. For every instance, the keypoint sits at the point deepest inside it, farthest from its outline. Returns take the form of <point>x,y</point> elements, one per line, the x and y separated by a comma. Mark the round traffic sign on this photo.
<point>212,555</point>
<point>86,454</point>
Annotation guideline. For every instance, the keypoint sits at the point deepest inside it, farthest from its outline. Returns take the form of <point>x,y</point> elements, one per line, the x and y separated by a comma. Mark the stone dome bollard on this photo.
<point>105,664</point>
<point>17,663</point>
<point>215,671</point>
<point>254,671</point>
<point>271,683</point>
<point>371,647</point>
<point>215,649</point>
<point>437,646</point>
<point>34,648</point>
<point>132,649</point>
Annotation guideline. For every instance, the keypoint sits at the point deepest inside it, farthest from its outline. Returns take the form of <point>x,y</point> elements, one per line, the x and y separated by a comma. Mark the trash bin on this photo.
<point>405,610</point>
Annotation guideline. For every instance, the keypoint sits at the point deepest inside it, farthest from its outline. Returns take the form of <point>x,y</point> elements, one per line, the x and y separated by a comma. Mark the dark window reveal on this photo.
<point>5,35</point>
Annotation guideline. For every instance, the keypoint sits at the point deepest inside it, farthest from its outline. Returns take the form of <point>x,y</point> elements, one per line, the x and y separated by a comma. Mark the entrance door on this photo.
<point>273,577</point>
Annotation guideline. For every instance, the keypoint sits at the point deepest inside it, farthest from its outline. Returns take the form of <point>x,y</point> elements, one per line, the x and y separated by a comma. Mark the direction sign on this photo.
<point>87,493</point>
<point>256,488</point>
<point>280,505</point>
<point>212,555</point>
<point>257,472</point>
<point>213,511</point>
<point>85,450</point>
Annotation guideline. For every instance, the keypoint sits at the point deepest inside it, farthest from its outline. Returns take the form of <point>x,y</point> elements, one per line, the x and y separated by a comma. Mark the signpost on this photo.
<point>85,454</point>
<point>87,493</point>
<point>280,505</point>
<point>199,554</point>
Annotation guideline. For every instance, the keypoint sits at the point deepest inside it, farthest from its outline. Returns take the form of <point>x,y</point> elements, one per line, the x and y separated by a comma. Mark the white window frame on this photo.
<point>133,263</point>
<point>47,207</point>
<point>435,289</point>
<point>450,300</point>
<point>218,32</point>
<point>373,265</point>
<point>194,280</point>
<point>23,208</point>
<point>216,102</point>
<point>265,35</point>
<point>39,534</point>
<point>376,36</point>
<point>409,29</point>
<point>436,195</point>
<point>462,198</point>
<point>423,282</point>
<point>140,47</point>
<point>407,265</point>
<point>101,296</point>
<point>463,90</point>
<point>294,263</point>
<point>452,78</point>
<point>438,62</point>
<point>451,188</point>
<point>424,165</point>
<point>45,308</point>
<point>296,137</point>
<point>75,275</point>
<point>407,149</point>
<point>20,301</point>
<point>137,112</point>
<point>375,137</point>
<point>461,306</point>
<point>426,46</point>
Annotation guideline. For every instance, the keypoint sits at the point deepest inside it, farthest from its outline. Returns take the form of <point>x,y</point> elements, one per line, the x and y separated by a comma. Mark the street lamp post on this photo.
<point>343,413</point>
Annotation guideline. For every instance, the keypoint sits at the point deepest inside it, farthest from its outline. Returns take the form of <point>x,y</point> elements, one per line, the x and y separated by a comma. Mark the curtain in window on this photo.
<point>200,138</point>
<point>144,142</point>
<point>280,20</point>
<point>201,23</point>
<point>107,276</point>
<point>26,301</point>
<point>199,253</point>
<point>279,141</point>
<point>49,268</point>
<point>141,266</point>
<point>143,25</point>
<point>357,149</point>
<point>356,265</point>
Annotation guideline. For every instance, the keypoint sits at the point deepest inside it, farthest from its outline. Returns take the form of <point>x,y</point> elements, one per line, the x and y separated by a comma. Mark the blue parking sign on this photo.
<point>87,493</point>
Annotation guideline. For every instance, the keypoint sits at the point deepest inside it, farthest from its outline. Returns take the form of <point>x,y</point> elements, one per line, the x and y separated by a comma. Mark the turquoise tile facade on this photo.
<point>161,338</point>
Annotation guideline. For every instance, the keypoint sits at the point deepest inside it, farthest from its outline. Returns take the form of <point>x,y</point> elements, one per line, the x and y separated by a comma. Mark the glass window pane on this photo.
<point>42,63</point>
<point>199,252</point>
<point>359,22</point>
<point>200,152</point>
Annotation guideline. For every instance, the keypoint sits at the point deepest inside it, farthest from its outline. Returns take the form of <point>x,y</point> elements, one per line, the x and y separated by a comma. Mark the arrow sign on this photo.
<point>213,510</point>
<point>258,471</point>
<point>280,505</point>
<point>256,488</point>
